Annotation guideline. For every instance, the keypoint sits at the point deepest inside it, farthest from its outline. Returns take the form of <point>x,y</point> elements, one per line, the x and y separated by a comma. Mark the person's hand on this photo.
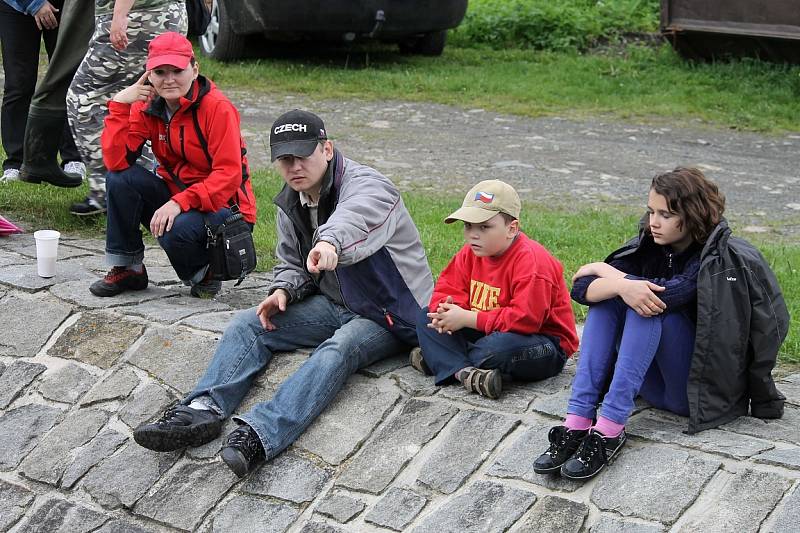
<point>599,269</point>
<point>272,304</point>
<point>322,257</point>
<point>450,317</point>
<point>640,295</point>
<point>46,17</point>
<point>138,91</point>
<point>119,32</point>
<point>164,217</point>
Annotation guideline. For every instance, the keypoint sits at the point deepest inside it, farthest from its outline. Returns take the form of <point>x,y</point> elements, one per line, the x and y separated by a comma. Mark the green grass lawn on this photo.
<point>576,236</point>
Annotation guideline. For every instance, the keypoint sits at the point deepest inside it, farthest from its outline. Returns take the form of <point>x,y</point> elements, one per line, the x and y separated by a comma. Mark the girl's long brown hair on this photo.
<point>695,198</point>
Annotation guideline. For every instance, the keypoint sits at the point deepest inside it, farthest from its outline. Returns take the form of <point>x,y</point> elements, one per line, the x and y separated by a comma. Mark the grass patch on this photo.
<point>642,83</point>
<point>576,236</point>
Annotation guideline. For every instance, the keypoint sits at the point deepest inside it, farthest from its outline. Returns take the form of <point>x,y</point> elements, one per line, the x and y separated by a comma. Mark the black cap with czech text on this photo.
<point>296,133</point>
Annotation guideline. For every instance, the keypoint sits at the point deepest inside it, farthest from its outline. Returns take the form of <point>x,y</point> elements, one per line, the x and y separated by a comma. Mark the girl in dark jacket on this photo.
<point>640,329</point>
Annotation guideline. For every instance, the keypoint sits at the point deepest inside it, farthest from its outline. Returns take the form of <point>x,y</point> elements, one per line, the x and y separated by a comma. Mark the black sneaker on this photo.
<point>563,444</point>
<point>120,279</point>
<point>487,383</point>
<point>243,451</point>
<point>90,206</point>
<point>417,362</point>
<point>595,452</point>
<point>178,427</point>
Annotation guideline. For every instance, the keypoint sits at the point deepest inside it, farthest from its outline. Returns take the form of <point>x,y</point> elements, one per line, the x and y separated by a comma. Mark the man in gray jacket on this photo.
<point>351,276</point>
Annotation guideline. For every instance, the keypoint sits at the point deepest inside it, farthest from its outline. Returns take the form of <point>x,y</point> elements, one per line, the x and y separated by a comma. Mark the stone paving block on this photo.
<point>552,404</point>
<point>156,256</point>
<point>785,457</point>
<point>384,366</point>
<point>466,443</point>
<point>20,430</point>
<point>516,461</point>
<point>100,447</point>
<point>25,277</point>
<point>790,387</point>
<point>340,506</point>
<point>214,322</point>
<point>242,298</point>
<point>613,524</point>
<point>162,275</point>
<point>114,387</point>
<point>557,383</point>
<point>347,422</point>
<point>742,505</point>
<point>93,245</point>
<point>145,404</point>
<point>552,514</point>
<point>126,526</point>
<point>515,398</point>
<point>2,364</point>
<point>414,383</point>
<point>11,258</point>
<point>36,317</point>
<point>483,506</point>
<point>398,508</point>
<point>170,310</point>
<point>96,264</point>
<point>14,501</point>
<point>321,527</point>
<point>788,516</point>
<point>77,292</point>
<point>66,384</point>
<point>288,477</point>
<point>48,461</point>
<point>15,378</point>
<point>122,479</point>
<point>64,252</point>
<point>187,493</point>
<point>56,514</point>
<point>667,428</point>
<point>394,445</point>
<point>248,513</point>
<point>786,428</point>
<point>672,483</point>
<point>98,338</point>
<point>179,358</point>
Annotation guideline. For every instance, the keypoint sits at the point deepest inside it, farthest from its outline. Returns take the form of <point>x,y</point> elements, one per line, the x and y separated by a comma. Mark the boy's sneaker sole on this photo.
<point>161,440</point>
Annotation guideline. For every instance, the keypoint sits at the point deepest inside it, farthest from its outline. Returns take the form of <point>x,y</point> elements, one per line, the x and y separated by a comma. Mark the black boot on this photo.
<point>42,140</point>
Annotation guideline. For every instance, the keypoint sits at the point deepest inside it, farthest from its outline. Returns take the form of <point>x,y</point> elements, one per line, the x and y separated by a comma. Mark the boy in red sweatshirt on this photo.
<point>501,307</point>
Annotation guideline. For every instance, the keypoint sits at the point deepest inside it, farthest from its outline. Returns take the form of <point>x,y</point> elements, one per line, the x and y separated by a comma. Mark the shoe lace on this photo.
<point>171,415</point>
<point>115,274</point>
<point>246,440</point>
<point>558,440</point>
<point>593,445</point>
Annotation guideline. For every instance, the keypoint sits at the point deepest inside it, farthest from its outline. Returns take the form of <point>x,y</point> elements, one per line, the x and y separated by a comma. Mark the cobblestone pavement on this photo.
<point>392,453</point>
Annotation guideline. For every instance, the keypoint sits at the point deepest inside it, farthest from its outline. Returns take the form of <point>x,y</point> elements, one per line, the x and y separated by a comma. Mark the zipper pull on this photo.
<point>388,318</point>
<point>670,260</point>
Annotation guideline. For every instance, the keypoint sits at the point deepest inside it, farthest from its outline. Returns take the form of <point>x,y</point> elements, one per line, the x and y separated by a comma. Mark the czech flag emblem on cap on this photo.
<point>485,197</point>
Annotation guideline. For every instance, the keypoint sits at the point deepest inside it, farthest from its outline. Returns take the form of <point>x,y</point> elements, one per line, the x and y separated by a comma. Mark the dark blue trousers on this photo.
<point>522,357</point>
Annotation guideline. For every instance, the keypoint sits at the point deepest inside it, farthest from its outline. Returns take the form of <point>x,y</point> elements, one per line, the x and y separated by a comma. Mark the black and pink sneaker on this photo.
<point>595,452</point>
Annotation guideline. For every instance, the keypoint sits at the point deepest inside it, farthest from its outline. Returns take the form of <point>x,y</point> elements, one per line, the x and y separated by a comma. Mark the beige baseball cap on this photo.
<point>485,200</point>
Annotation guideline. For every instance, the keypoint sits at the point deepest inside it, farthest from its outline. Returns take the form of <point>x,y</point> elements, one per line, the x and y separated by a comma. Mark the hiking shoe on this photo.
<point>243,451</point>
<point>207,288</point>
<point>488,383</point>
<point>9,174</point>
<point>418,362</point>
<point>92,205</point>
<point>120,279</point>
<point>595,452</point>
<point>178,427</point>
<point>563,444</point>
<point>75,167</point>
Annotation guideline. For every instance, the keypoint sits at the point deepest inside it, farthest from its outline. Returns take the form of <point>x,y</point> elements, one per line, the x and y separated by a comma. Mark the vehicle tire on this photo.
<point>219,41</point>
<point>429,44</point>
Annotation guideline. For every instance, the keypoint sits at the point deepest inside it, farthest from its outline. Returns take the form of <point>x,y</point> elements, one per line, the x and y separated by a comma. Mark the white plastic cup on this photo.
<point>46,252</point>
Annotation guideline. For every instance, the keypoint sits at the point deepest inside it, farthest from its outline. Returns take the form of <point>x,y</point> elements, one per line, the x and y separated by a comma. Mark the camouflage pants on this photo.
<point>104,72</point>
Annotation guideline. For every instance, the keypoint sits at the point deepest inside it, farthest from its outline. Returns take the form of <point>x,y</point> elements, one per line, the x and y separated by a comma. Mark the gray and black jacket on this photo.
<point>383,272</point>
<point>742,320</point>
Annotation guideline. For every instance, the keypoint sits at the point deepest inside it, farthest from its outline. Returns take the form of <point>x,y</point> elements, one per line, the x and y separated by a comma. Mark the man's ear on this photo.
<point>328,150</point>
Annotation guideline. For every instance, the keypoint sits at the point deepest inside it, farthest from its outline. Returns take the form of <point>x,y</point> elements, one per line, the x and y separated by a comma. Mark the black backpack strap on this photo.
<point>200,137</point>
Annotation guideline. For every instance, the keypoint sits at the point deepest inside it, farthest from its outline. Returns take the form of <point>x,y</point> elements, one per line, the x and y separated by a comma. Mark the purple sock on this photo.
<point>608,428</point>
<point>577,422</point>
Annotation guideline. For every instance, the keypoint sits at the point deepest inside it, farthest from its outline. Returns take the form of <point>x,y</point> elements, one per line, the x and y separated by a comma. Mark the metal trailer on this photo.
<point>707,29</point>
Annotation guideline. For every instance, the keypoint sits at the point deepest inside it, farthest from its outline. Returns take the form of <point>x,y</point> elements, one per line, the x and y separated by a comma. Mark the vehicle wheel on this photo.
<point>219,41</point>
<point>429,44</point>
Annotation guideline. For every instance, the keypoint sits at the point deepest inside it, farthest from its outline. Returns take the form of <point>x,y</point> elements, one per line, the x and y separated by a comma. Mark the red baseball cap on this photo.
<point>169,48</point>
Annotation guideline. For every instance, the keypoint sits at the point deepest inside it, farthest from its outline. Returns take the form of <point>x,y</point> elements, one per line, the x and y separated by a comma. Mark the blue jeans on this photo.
<point>523,357</point>
<point>344,341</point>
<point>133,195</point>
<point>647,356</point>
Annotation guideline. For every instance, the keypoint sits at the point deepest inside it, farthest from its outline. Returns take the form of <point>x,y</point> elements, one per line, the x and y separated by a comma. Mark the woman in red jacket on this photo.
<point>202,169</point>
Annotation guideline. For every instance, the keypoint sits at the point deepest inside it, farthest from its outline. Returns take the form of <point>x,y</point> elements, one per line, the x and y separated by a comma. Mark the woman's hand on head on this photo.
<point>640,295</point>
<point>139,91</point>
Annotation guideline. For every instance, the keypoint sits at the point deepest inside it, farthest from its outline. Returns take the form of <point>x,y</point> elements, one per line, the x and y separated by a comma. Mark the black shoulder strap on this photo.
<point>199,132</point>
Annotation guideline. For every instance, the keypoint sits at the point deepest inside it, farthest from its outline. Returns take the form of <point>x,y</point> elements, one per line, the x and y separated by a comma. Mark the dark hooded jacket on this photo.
<point>742,320</point>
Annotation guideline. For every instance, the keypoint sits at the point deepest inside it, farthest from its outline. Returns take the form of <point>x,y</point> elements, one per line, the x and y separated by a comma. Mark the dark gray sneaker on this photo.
<point>178,427</point>
<point>417,361</point>
<point>595,452</point>
<point>563,445</point>
<point>243,452</point>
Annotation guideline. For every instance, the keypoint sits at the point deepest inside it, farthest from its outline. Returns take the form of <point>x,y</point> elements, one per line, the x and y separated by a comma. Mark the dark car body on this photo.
<point>407,22</point>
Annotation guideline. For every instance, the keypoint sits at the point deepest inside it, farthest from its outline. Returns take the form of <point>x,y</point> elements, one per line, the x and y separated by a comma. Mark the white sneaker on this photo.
<point>76,167</point>
<point>9,174</point>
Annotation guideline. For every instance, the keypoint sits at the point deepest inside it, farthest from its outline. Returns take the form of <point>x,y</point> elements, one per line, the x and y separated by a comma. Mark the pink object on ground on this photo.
<point>577,422</point>
<point>7,228</point>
